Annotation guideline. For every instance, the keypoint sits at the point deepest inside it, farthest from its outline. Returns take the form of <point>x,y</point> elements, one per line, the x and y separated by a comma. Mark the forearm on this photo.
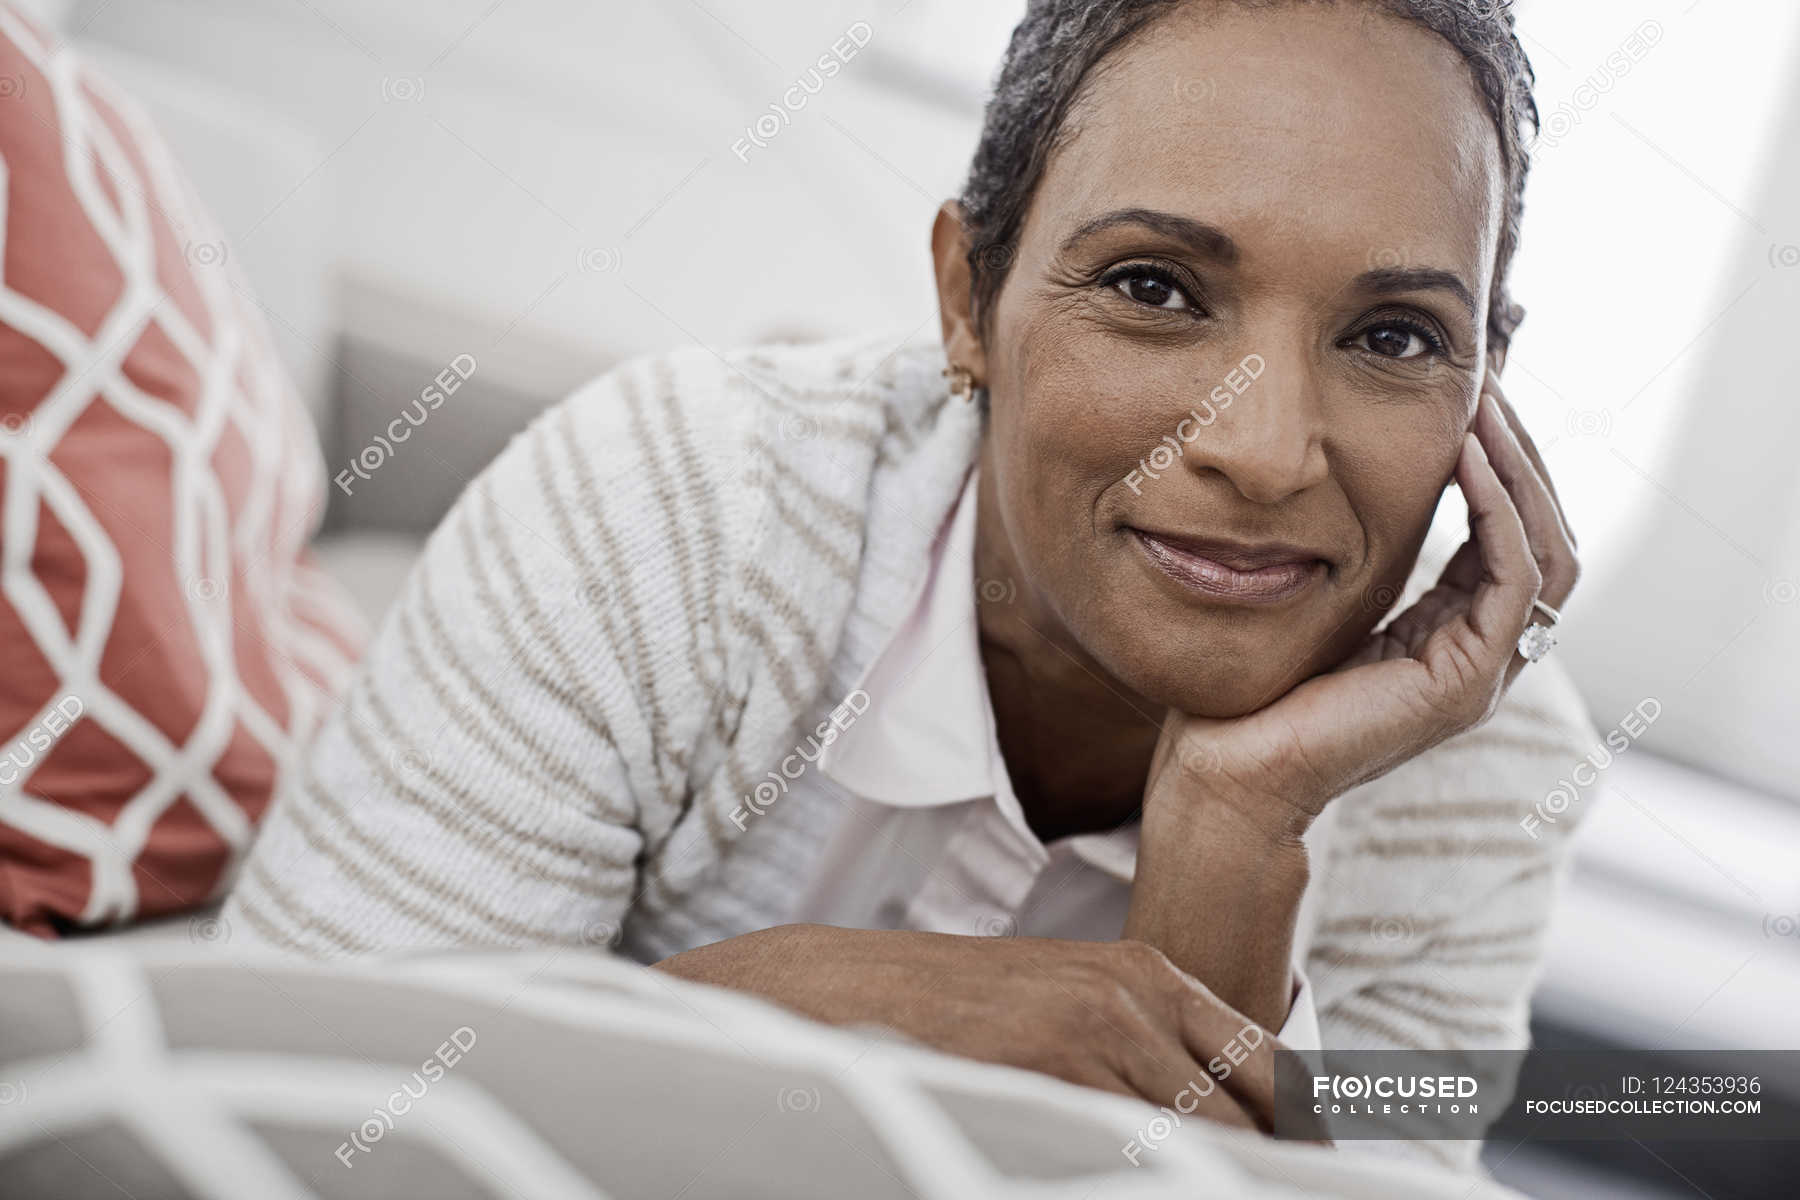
<point>756,962</point>
<point>825,972</point>
<point>1220,896</point>
<point>1112,1015</point>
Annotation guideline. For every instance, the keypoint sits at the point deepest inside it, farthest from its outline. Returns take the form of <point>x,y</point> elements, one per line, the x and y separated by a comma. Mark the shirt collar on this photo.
<point>927,737</point>
<point>924,739</point>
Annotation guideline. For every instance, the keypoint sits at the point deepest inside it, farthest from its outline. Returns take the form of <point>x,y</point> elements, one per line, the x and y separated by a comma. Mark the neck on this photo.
<point>1077,743</point>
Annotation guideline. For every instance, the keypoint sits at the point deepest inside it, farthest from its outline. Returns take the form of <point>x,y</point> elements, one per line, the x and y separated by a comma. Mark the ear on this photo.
<point>1496,359</point>
<point>955,288</point>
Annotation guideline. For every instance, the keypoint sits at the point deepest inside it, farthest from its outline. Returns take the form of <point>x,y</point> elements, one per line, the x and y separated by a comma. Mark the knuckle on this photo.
<point>1138,954</point>
<point>1546,559</point>
<point>1119,1008</point>
<point>1144,960</point>
<point>1570,574</point>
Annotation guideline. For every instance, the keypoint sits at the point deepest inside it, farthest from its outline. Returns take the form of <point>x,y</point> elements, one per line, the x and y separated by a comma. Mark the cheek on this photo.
<point>1069,421</point>
<point>1394,471</point>
<point>1086,404</point>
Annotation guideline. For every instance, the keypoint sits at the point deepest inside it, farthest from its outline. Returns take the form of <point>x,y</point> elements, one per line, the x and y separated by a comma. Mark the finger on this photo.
<point>1233,1049</point>
<point>1173,1080</point>
<point>1549,544</point>
<point>1510,579</point>
<point>1147,1051</point>
<point>1463,571</point>
<point>1517,425</point>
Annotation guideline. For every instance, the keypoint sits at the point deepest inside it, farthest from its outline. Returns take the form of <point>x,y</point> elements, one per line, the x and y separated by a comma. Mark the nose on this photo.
<point>1264,428</point>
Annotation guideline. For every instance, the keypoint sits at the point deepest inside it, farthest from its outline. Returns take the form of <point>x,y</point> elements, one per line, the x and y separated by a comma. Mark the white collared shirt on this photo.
<point>935,839</point>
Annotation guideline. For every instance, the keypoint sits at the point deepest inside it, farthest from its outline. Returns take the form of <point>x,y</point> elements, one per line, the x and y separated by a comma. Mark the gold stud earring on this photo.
<point>962,383</point>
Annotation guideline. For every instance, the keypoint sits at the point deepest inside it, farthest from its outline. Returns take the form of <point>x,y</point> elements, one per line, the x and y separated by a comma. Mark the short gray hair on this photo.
<point>1059,42</point>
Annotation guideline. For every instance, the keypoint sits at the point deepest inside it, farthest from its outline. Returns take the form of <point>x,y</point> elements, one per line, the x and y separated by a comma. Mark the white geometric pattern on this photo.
<point>339,1039</point>
<point>236,560</point>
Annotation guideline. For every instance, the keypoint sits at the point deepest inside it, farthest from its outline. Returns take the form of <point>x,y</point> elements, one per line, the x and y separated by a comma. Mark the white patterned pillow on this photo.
<point>194,1072</point>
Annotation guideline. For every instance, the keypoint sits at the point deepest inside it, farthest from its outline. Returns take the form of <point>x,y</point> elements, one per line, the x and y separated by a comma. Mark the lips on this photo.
<point>1258,573</point>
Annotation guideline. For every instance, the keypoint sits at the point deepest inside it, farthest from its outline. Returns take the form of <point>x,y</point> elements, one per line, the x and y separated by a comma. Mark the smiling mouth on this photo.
<point>1245,574</point>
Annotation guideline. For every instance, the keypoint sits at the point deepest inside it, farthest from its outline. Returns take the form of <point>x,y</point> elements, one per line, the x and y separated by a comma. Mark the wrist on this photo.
<point>1252,822</point>
<point>1242,861</point>
<point>1221,899</point>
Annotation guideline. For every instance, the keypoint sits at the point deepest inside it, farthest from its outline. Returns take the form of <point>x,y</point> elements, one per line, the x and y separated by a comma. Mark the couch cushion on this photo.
<point>165,643</point>
<point>206,1070</point>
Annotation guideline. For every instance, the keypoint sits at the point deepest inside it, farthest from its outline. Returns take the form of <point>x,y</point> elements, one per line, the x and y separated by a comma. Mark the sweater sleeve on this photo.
<point>525,713</point>
<point>1440,884</point>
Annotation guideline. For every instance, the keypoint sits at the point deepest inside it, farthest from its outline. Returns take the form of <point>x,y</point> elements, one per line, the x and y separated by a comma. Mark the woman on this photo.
<point>803,672</point>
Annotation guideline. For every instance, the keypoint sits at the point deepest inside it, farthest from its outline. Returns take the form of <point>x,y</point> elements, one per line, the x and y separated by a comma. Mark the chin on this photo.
<point>1221,691</point>
<point>1204,682</point>
<point>1212,670</point>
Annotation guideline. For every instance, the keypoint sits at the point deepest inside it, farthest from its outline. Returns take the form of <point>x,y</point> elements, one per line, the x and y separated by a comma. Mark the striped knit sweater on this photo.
<point>662,584</point>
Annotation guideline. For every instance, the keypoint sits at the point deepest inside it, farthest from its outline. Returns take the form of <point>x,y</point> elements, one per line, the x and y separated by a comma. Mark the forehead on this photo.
<point>1310,133</point>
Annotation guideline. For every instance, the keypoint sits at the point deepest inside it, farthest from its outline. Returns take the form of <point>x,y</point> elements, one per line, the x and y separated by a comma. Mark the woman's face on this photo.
<point>1265,242</point>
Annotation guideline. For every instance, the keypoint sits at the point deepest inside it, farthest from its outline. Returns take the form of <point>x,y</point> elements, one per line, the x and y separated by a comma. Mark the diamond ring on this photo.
<point>1537,639</point>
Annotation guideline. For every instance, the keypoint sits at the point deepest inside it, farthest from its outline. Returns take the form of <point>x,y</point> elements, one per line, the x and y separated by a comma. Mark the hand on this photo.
<point>1112,1015</point>
<point>1437,669</point>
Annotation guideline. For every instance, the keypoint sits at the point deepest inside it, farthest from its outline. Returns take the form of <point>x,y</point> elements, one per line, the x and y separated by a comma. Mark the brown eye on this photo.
<point>1151,289</point>
<point>1400,341</point>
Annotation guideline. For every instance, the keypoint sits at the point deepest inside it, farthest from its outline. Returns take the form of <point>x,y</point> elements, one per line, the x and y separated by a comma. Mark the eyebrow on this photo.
<point>1386,281</point>
<point>1209,241</point>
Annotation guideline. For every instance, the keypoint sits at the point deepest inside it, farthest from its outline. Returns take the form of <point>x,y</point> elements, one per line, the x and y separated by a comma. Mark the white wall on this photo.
<point>535,183</point>
<point>1661,267</point>
<point>542,167</point>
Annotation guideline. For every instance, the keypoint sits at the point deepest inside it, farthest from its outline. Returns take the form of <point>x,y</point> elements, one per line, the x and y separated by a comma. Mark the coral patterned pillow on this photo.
<point>166,647</point>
